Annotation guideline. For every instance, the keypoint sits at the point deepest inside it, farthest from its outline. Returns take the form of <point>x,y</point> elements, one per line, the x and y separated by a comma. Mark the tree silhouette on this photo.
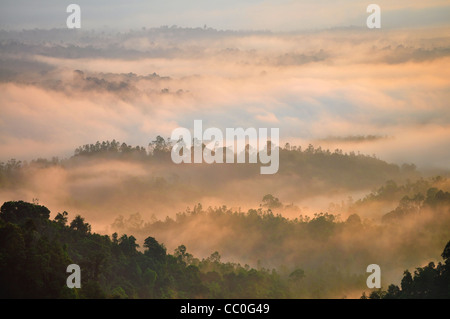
<point>79,225</point>
<point>427,282</point>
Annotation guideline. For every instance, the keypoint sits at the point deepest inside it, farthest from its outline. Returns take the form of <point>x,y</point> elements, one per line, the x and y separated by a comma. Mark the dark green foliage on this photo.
<point>32,265</point>
<point>429,282</point>
<point>61,218</point>
<point>35,253</point>
<point>19,212</point>
<point>154,249</point>
<point>79,225</point>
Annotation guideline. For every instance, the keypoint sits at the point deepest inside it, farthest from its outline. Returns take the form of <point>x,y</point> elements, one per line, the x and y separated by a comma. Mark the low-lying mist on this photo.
<point>410,235</point>
<point>104,184</point>
<point>322,208</point>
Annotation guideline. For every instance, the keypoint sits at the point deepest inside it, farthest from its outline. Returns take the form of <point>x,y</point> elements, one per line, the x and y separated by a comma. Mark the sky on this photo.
<point>316,72</point>
<point>275,15</point>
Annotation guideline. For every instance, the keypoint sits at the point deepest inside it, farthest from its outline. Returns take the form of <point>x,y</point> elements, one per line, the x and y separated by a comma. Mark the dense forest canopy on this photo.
<point>310,162</point>
<point>36,250</point>
<point>414,231</point>
<point>429,282</point>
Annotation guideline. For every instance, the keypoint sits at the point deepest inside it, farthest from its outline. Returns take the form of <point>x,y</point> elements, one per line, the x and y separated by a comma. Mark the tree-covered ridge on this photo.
<point>265,237</point>
<point>311,161</point>
<point>392,190</point>
<point>320,256</point>
<point>35,252</point>
<point>131,179</point>
<point>429,282</point>
<point>311,164</point>
<point>409,197</point>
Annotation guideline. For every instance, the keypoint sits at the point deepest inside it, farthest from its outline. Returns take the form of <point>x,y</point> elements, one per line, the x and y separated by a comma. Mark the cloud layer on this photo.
<point>61,89</point>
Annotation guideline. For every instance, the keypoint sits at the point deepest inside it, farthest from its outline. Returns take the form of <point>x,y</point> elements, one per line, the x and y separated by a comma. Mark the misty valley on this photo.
<point>96,203</point>
<point>271,249</point>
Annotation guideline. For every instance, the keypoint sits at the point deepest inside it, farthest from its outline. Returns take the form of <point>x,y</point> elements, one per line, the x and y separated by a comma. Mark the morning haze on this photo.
<point>364,141</point>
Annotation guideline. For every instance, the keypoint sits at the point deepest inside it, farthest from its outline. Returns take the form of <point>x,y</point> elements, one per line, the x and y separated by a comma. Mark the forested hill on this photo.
<point>35,252</point>
<point>307,172</point>
<point>351,169</point>
<point>429,282</point>
<point>415,230</point>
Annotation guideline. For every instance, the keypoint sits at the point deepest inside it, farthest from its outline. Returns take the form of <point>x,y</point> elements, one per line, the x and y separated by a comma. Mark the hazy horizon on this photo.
<point>375,92</point>
<point>273,15</point>
<point>364,129</point>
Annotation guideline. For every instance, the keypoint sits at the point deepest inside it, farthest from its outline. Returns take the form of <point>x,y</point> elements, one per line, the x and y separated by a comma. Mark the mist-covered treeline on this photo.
<point>408,235</point>
<point>138,190</point>
<point>130,179</point>
<point>35,252</point>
